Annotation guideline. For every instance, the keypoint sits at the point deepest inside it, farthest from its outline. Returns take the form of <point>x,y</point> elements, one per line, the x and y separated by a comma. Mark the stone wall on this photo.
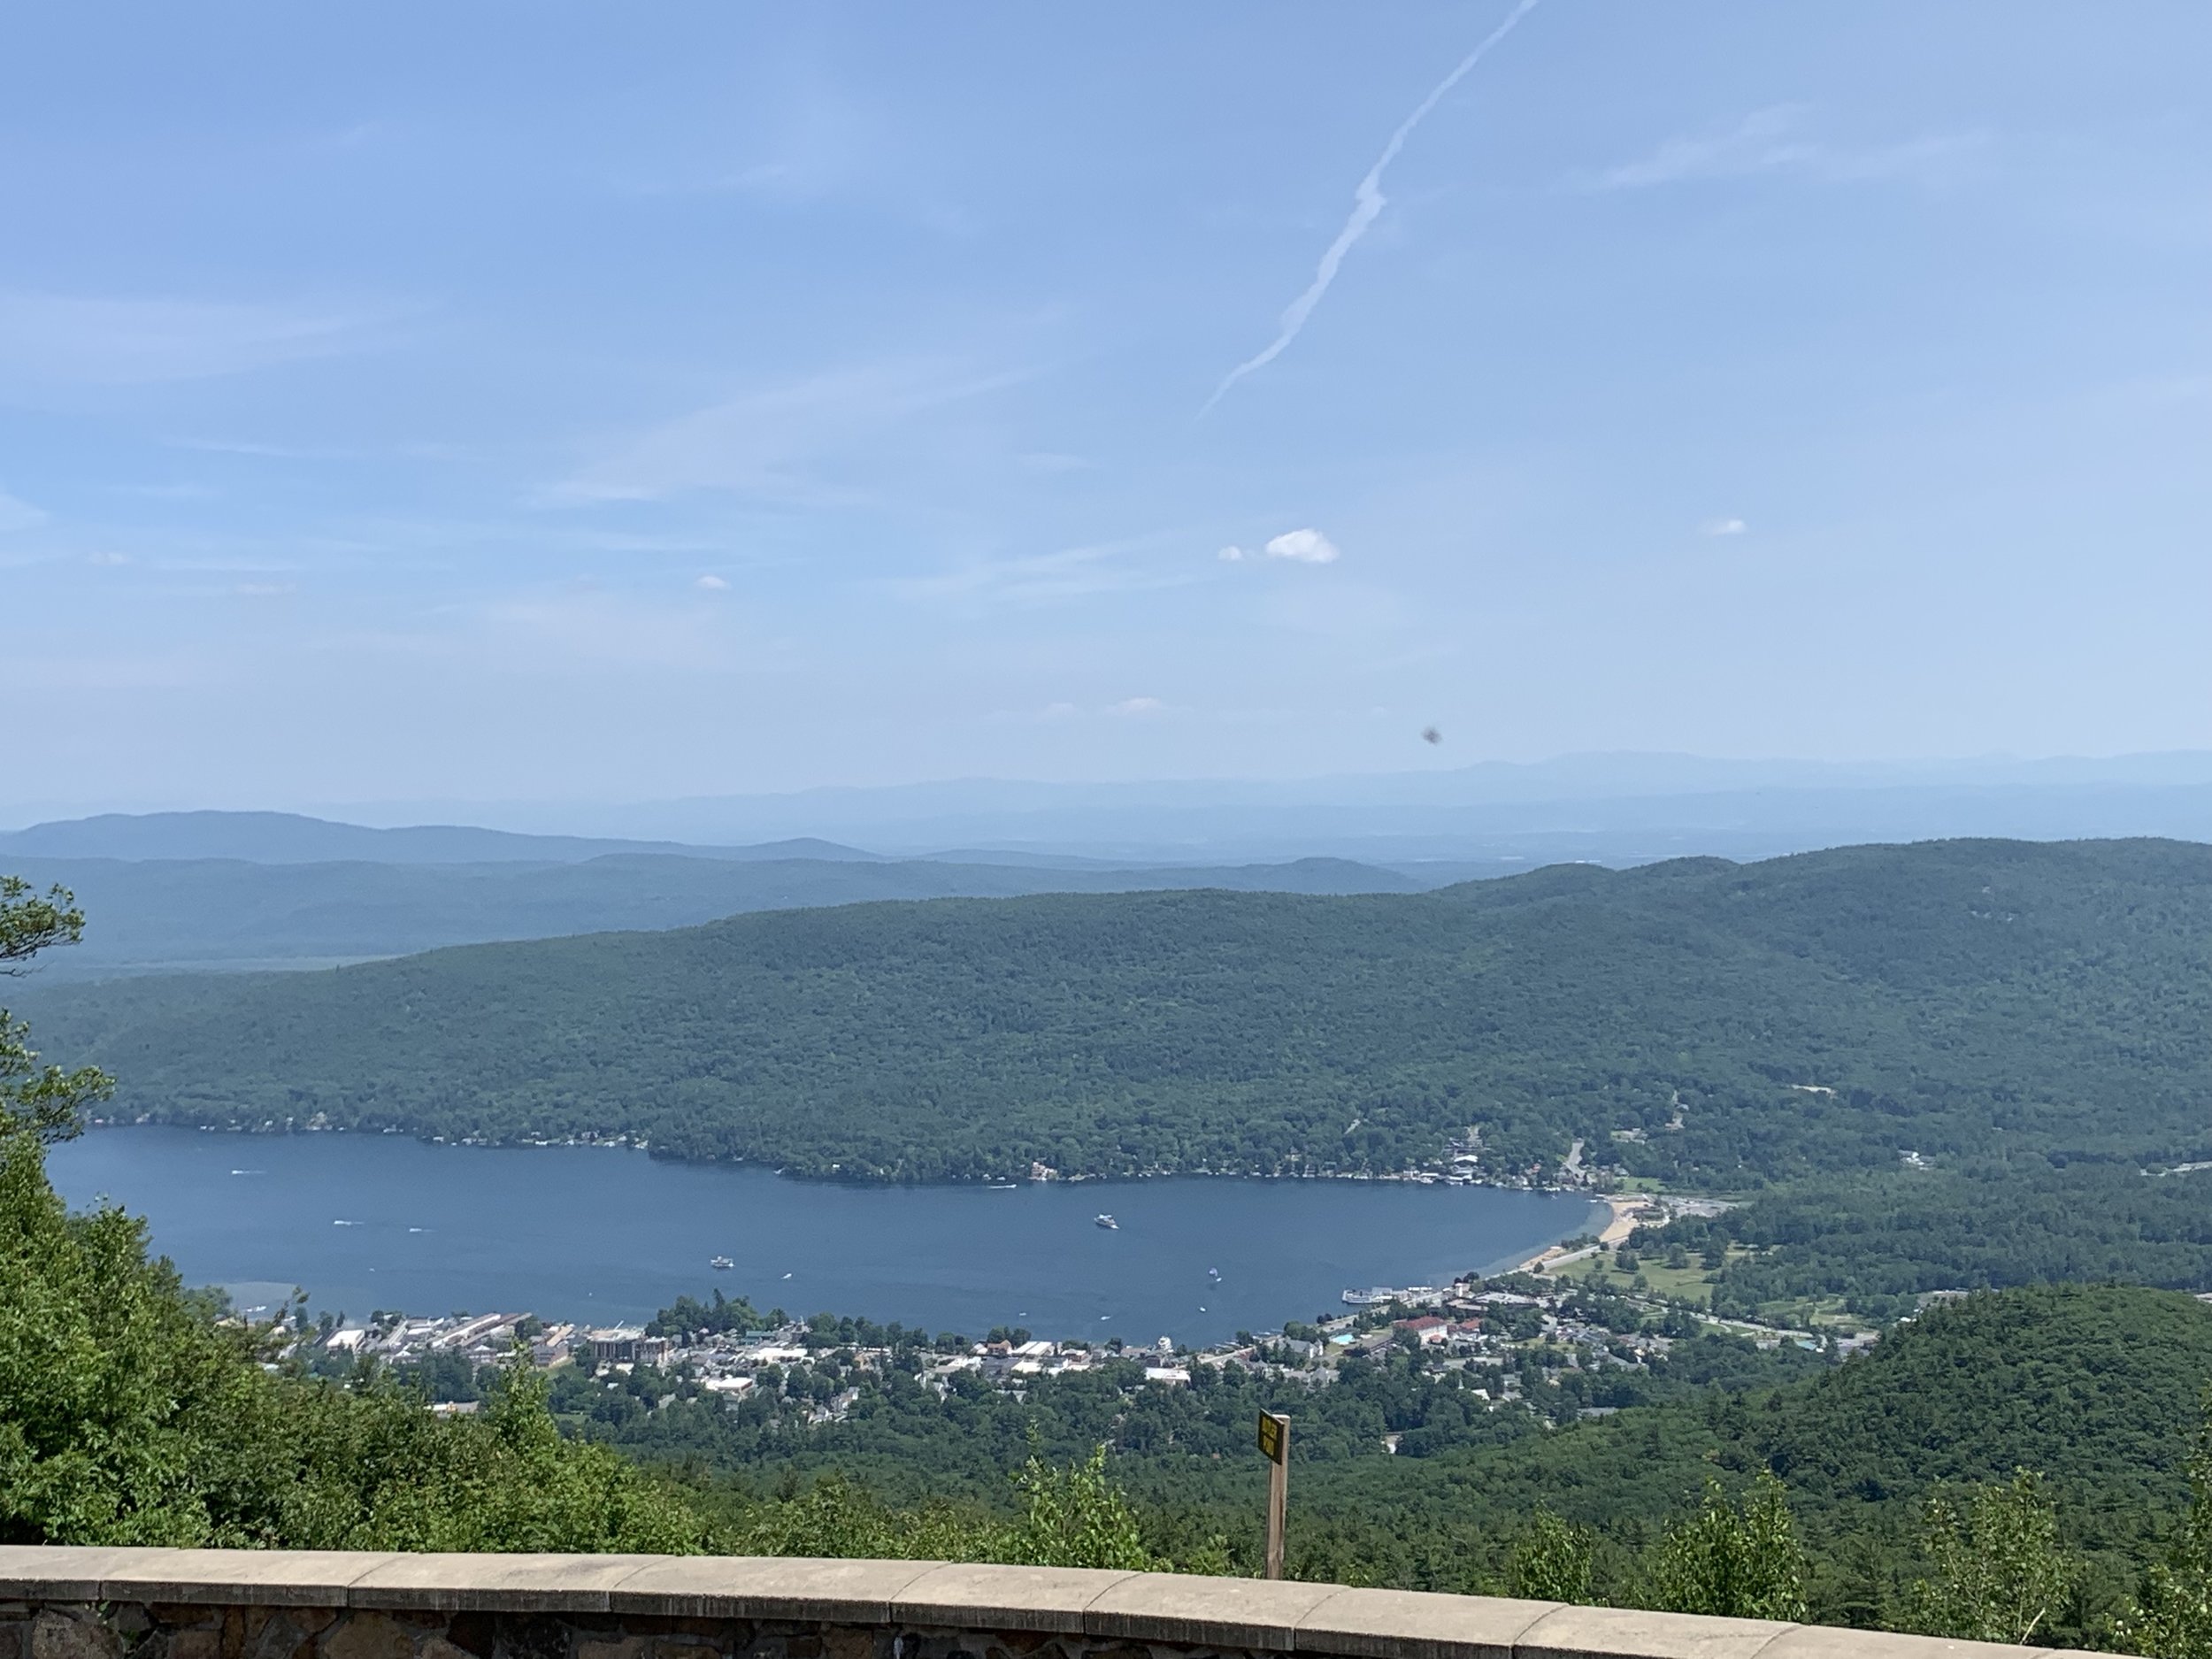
<point>58,1603</point>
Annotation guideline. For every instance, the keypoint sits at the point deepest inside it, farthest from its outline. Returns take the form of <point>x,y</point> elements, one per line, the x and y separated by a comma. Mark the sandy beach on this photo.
<point>1630,1211</point>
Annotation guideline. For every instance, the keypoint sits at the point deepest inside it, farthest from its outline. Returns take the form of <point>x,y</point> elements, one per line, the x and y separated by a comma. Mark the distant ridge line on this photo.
<point>297,838</point>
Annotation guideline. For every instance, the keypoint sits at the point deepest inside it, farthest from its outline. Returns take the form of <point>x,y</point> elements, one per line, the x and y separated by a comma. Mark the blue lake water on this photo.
<point>362,1222</point>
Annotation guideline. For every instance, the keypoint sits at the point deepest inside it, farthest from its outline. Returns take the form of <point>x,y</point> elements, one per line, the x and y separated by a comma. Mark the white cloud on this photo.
<point>1036,578</point>
<point>18,514</point>
<point>1049,462</point>
<point>264,590</point>
<point>61,337</point>
<point>1771,141</point>
<point>800,139</point>
<point>1136,705</point>
<point>711,584</point>
<point>1722,527</point>
<point>781,440</point>
<point>1232,555</point>
<point>165,491</point>
<point>263,452</point>
<point>1306,547</point>
<point>107,557</point>
<point>1756,142</point>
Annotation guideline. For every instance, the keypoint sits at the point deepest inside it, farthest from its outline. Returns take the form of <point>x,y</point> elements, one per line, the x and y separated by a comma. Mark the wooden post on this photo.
<point>1275,1443</point>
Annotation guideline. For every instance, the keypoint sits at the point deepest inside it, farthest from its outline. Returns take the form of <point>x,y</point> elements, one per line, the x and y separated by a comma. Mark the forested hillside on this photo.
<point>2029,1021</point>
<point>2096,1389</point>
<point>1963,1000</point>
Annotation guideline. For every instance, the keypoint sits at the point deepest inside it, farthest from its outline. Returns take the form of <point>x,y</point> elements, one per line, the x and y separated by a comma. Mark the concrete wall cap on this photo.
<point>1214,1614</point>
<point>1412,1625</point>
<point>264,1578</point>
<point>488,1583</point>
<point>1204,1612</point>
<point>59,1572</point>
<point>1827,1641</point>
<point>1620,1632</point>
<point>961,1596</point>
<point>767,1586</point>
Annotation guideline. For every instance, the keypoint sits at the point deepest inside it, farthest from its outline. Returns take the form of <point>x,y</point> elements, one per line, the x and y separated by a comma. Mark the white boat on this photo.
<point>1108,1222</point>
<point>721,1263</point>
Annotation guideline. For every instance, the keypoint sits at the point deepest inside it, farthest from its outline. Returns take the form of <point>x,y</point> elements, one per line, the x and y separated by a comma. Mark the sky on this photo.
<point>550,402</point>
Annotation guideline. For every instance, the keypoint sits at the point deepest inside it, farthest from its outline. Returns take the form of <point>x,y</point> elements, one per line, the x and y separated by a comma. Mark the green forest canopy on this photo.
<point>2098,1388</point>
<point>1966,1000</point>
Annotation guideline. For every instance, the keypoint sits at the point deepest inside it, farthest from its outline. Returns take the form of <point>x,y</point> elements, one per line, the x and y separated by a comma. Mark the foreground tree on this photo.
<point>1077,1517</point>
<point>115,1387</point>
<point>1551,1560</point>
<point>133,1411</point>
<point>1071,1516</point>
<point>1737,1563</point>
<point>44,1103</point>
<point>2173,1619</point>
<point>2000,1574</point>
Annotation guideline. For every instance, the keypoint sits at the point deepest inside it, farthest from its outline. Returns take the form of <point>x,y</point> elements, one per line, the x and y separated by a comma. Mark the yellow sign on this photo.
<point>1274,1432</point>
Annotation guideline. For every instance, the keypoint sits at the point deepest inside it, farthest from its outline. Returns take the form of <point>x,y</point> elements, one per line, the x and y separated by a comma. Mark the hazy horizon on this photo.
<point>1597,774</point>
<point>1614,808</point>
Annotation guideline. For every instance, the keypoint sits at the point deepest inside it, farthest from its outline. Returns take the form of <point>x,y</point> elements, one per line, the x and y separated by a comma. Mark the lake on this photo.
<point>365,1222</point>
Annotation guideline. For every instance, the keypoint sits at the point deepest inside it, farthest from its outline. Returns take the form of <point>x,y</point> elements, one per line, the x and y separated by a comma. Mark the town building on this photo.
<point>627,1344</point>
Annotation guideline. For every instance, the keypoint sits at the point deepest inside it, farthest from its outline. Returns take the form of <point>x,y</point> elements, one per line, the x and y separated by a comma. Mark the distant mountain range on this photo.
<point>289,838</point>
<point>1614,808</point>
<point>173,915</point>
<point>202,889</point>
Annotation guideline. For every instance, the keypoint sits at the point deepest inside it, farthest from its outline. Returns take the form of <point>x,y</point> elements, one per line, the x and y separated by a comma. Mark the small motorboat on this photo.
<point>721,1263</point>
<point>1108,1222</point>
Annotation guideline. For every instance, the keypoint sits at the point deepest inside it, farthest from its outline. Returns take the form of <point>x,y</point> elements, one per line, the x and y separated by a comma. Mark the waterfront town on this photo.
<point>1549,1323</point>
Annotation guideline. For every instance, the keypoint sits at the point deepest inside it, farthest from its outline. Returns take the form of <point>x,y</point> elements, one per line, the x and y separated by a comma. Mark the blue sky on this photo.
<point>544,402</point>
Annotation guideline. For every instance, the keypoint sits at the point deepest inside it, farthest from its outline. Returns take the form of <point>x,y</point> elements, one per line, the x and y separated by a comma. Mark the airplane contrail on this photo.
<point>1368,201</point>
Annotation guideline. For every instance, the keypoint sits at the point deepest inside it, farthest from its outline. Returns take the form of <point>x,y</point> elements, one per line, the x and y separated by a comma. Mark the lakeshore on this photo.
<point>1628,1212</point>
<point>1625,1211</point>
<point>368,1221</point>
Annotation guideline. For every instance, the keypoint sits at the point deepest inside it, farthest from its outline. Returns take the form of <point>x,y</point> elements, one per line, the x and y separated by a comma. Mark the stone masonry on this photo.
<point>60,1603</point>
